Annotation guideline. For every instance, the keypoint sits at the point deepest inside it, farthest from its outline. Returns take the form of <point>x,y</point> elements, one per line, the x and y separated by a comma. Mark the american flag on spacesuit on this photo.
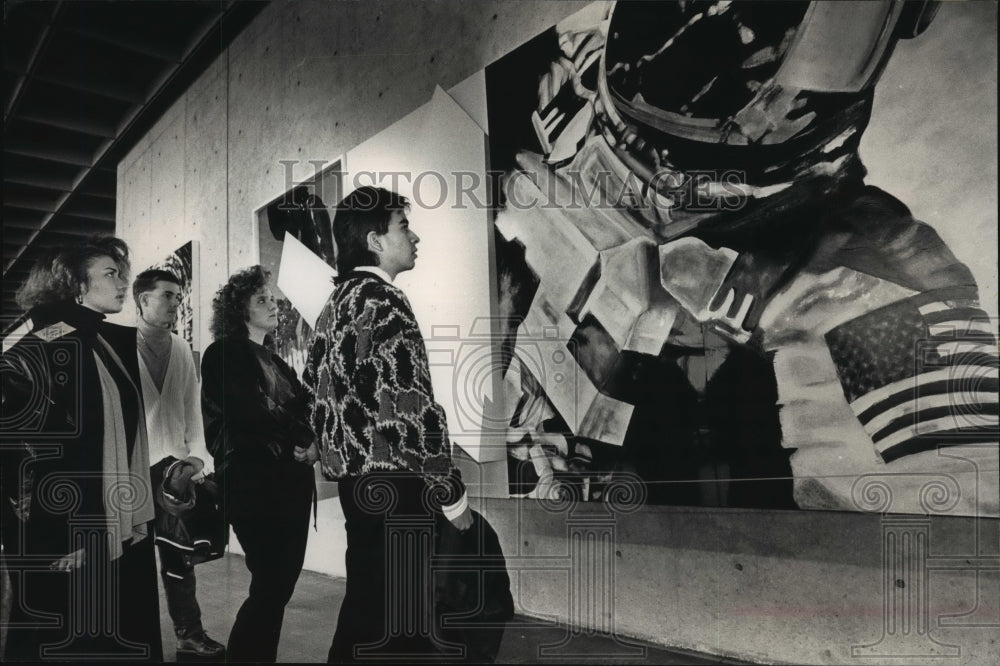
<point>921,373</point>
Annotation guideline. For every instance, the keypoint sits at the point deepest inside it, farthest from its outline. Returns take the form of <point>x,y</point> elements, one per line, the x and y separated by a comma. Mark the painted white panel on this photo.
<point>436,157</point>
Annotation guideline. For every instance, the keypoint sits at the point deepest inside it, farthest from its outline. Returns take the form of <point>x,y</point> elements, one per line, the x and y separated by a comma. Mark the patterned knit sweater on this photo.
<point>373,407</point>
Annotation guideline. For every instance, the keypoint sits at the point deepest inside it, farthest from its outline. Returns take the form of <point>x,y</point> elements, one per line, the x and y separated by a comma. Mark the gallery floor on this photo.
<point>311,616</point>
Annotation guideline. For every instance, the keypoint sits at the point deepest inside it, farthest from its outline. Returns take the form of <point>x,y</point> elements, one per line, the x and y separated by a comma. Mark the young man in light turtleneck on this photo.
<point>173,420</point>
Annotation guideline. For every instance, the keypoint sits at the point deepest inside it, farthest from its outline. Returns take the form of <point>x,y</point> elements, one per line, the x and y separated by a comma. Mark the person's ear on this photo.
<point>374,242</point>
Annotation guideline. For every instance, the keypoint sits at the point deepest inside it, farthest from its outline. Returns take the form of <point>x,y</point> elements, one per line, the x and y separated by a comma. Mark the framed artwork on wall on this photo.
<point>714,287</point>
<point>183,263</point>
<point>305,212</point>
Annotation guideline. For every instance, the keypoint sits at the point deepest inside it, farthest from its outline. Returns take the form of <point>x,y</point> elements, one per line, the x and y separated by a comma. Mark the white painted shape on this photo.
<point>420,156</point>
<point>470,94</point>
<point>305,279</point>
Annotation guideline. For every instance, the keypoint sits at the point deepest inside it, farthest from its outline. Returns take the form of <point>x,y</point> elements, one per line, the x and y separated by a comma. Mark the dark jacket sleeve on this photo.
<point>16,479</point>
<point>240,421</point>
<point>50,445</point>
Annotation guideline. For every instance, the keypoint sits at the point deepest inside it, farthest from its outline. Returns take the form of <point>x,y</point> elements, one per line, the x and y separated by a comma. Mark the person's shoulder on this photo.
<point>230,342</point>
<point>389,292</point>
<point>180,346</point>
<point>874,205</point>
<point>17,336</point>
<point>118,328</point>
<point>226,359</point>
<point>226,347</point>
<point>120,337</point>
<point>361,280</point>
<point>123,339</point>
<point>878,219</point>
<point>367,290</point>
<point>31,348</point>
<point>28,339</point>
<point>58,330</point>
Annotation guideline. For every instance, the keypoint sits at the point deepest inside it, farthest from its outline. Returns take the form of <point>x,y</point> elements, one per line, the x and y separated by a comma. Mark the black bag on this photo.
<point>190,523</point>
<point>472,596</point>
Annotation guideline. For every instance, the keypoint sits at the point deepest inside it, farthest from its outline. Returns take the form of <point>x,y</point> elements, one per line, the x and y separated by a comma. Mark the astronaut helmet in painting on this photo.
<point>716,105</point>
<point>727,228</point>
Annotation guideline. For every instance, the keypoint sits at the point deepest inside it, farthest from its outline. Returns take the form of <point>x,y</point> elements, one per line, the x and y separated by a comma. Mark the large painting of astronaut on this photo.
<point>703,288</point>
<point>183,263</point>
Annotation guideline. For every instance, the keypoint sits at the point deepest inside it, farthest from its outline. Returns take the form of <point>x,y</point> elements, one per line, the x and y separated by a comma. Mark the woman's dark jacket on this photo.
<point>53,426</point>
<point>250,436</point>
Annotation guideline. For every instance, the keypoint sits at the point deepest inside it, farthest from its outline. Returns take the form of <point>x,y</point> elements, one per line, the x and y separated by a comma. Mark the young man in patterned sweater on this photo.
<point>382,434</point>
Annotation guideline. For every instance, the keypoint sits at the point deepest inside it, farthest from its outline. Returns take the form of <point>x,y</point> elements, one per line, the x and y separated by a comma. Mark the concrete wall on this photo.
<point>769,586</point>
<point>311,80</point>
<point>305,81</point>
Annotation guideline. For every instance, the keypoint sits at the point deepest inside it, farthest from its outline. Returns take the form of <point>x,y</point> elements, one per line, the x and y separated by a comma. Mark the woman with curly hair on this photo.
<point>257,429</point>
<point>76,498</point>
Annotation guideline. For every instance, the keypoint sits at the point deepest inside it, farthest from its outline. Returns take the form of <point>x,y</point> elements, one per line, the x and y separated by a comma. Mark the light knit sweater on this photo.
<point>373,406</point>
<point>173,414</point>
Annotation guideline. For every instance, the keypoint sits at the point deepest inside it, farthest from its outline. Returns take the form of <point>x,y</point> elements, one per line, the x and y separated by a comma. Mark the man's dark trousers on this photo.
<point>387,612</point>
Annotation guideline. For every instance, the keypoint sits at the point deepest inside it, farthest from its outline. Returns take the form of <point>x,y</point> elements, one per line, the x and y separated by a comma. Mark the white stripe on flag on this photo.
<point>936,306</point>
<point>964,347</point>
<point>960,327</point>
<point>960,401</point>
<point>869,399</point>
<point>942,424</point>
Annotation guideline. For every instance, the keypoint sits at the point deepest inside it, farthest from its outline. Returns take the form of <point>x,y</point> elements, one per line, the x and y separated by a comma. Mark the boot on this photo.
<point>199,645</point>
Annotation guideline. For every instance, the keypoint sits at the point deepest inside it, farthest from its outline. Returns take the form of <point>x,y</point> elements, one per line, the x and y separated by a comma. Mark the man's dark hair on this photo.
<point>230,305</point>
<point>146,281</point>
<point>364,210</point>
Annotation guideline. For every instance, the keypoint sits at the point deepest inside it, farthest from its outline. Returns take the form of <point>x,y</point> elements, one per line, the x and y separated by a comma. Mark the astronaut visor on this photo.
<point>698,60</point>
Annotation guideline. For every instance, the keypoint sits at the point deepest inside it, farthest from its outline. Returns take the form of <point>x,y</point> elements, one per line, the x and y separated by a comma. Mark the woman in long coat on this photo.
<point>76,493</point>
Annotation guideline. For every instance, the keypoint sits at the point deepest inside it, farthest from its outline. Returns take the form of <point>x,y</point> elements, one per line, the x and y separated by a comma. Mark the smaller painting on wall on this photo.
<point>183,262</point>
<point>305,212</point>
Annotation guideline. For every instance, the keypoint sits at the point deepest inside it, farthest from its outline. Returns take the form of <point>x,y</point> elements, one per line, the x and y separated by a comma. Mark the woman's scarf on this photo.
<point>128,499</point>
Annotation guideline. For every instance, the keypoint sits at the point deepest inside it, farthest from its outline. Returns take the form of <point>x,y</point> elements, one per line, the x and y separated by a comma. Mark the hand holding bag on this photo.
<point>189,517</point>
<point>472,595</point>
